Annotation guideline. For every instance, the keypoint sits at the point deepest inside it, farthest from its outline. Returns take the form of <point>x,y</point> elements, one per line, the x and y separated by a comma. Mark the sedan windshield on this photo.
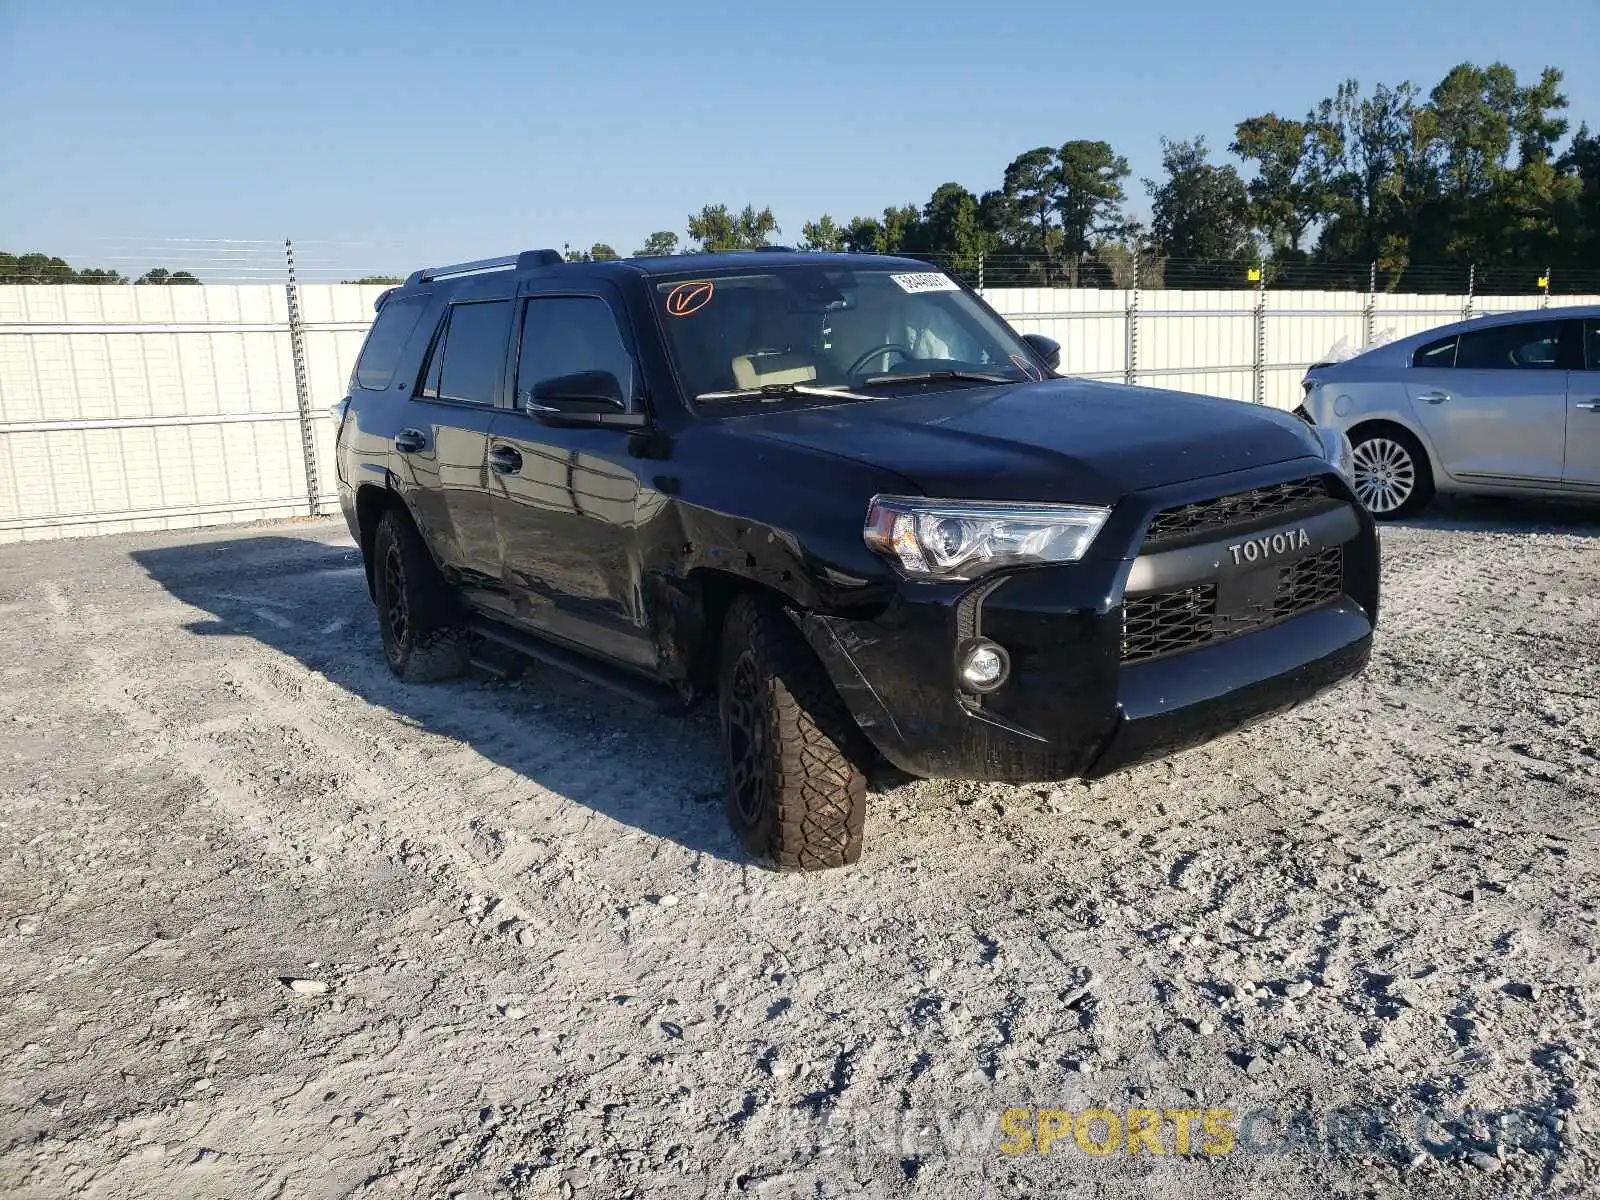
<point>829,333</point>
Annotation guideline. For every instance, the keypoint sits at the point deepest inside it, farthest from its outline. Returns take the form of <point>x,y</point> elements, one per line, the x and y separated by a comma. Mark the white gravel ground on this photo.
<point>274,924</point>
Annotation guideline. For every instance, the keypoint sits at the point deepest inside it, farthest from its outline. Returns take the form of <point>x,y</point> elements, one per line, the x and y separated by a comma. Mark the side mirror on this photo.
<point>586,399</point>
<point>1048,349</point>
<point>598,391</point>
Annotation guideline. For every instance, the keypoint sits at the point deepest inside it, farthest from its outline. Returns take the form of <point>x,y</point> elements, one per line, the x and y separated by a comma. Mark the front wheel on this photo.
<point>796,794</point>
<point>1392,476</point>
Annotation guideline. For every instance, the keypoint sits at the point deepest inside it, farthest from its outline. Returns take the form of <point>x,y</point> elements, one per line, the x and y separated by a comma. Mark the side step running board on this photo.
<point>613,679</point>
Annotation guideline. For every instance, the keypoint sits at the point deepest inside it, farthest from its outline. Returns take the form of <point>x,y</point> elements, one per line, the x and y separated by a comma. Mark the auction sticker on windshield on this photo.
<point>926,281</point>
<point>689,298</point>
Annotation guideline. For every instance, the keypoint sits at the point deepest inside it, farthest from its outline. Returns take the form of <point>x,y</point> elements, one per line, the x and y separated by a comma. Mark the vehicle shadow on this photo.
<point>1506,514</point>
<point>308,600</point>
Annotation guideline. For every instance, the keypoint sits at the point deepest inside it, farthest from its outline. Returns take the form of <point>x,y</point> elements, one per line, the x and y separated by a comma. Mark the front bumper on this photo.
<point>1072,707</point>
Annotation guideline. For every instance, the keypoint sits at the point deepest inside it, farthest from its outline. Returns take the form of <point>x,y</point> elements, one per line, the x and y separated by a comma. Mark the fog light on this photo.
<point>983,667</point>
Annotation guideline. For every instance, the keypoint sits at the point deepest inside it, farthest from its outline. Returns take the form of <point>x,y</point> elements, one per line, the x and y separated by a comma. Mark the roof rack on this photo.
<point>526,261</point>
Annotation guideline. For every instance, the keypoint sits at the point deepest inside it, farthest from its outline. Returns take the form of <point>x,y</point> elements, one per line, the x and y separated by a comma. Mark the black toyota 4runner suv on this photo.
<point>840,496</point>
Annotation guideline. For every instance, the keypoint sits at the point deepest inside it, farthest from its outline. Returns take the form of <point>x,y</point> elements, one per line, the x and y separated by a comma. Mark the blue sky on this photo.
<point>385,135</point>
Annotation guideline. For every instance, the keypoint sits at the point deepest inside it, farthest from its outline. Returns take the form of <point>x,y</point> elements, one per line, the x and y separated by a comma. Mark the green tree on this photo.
<point>1494,145</point>
<point>600,252</point>
<point>1469,173</point>
<point>901,229</point>
<point>715,228</point>
<point>100,275</point>
<point>1579,212</point>
<point>999,217</point>
<point>1030,188</point>
<point>160,275</point>
<point>863,235</point>
<point>388,280</point>
<point>1290,191</point>
<point>35,268</point>
<point>822,234</point>
<point>952,230</point>
<point>1377,171</point>
<point>658,245</point>
<point>1199,211</point>
<point>1088,194</point>
<point>897,231</point>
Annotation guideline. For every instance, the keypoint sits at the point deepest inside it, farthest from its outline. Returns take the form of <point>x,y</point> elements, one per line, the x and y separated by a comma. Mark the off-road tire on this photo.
<point>797,796</point>
<point>424,636</point>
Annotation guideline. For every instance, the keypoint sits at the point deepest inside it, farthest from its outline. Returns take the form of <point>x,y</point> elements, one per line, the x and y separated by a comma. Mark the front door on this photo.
<point>1582,471</point>
<point>444,445</point>
<point>1499,414</point>
<point>566,500</point>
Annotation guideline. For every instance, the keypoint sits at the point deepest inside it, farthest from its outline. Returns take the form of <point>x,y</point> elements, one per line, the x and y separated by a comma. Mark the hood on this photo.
<point>1066,441</point>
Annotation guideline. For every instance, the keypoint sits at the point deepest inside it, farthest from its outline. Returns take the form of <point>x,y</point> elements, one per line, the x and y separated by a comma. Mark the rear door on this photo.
<point>1497,412</point>
<point>566,500</point>
<point>443,448</point>
<point>1582,471</point>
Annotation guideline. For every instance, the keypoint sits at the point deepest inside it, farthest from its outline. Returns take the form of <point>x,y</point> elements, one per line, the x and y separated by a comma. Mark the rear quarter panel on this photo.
<point>365,454</point>
<point>1353,394</point>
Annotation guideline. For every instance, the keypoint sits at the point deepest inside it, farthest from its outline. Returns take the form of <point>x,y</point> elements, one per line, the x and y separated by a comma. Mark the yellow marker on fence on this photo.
<point>1254,275</point>
<point>1544,281</point>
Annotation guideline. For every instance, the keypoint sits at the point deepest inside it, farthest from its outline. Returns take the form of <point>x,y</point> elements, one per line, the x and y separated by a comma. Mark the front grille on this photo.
<point>1167,622</point>
<point>1206,516</point>
<point>1170,622</point>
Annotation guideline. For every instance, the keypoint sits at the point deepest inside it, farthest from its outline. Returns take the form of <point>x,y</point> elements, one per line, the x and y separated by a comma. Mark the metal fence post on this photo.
<point>1370,326</point>
<point>302,387</point>
<point>1260,365</point>
<point>1544,287</point>
<point>980,272</point>
<point>1130,346</point>
<point>1472,284</point>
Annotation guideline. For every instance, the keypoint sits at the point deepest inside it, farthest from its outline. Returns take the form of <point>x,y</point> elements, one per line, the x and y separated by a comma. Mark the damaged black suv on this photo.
<point>838,495</point>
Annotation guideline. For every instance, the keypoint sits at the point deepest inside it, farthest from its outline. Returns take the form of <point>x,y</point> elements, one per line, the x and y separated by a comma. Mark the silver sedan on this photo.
<point>1508,405</point>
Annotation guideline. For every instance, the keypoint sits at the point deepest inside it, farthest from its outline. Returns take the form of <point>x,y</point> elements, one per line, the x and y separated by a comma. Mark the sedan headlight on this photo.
<point>1336,449</point>
<point>961,539</point>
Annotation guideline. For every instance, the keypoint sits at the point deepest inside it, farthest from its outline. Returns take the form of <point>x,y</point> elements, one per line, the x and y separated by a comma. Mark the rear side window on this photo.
<point>1436,354</point>
<point>1535,346</point>
<point>385,340</point>
<point>1591,341</point>
<point>469,354</point>
<point>568,336</point>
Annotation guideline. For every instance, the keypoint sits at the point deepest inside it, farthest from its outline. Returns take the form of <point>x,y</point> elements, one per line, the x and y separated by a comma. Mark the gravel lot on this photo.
<point>527,958</point>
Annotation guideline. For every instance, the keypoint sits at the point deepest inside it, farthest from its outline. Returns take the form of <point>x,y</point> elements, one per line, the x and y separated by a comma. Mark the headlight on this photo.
<point>1336,449</point>
<point>959,539</point>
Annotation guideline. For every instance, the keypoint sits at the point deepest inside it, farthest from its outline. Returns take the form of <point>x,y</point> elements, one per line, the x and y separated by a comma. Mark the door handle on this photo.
<point>1591,405</point>
<point>410,441</point>
<point>1434,397</point>
<point>503,460</point>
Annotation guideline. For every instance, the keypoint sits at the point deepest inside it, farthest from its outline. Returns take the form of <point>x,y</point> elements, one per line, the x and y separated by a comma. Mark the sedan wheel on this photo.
<point>1386,474</point>
<point>1392,475</point>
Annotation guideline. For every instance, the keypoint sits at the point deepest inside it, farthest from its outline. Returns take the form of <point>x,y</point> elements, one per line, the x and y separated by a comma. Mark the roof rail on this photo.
<point>526,261</point>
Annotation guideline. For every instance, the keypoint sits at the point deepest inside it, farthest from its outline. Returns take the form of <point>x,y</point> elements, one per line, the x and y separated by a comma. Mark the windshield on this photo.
<point>801,330</point>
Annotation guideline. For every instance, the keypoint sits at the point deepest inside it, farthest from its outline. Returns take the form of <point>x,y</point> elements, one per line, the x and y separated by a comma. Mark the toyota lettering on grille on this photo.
<point>1261,549</point>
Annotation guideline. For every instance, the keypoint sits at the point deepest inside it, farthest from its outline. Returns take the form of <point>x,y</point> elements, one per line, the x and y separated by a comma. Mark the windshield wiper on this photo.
<point>927,376</point>
<point>779,390</point>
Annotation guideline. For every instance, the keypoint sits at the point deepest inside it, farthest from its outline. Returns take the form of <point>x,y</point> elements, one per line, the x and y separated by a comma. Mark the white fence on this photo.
<point>1246,345</point>
<point>167,407</point>
<point>128,408</point>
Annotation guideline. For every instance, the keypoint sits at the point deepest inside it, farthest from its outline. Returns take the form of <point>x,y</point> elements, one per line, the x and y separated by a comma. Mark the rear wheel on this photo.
<point>424,637</point>
<point>796,794</point>
<point>1392,476</point>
